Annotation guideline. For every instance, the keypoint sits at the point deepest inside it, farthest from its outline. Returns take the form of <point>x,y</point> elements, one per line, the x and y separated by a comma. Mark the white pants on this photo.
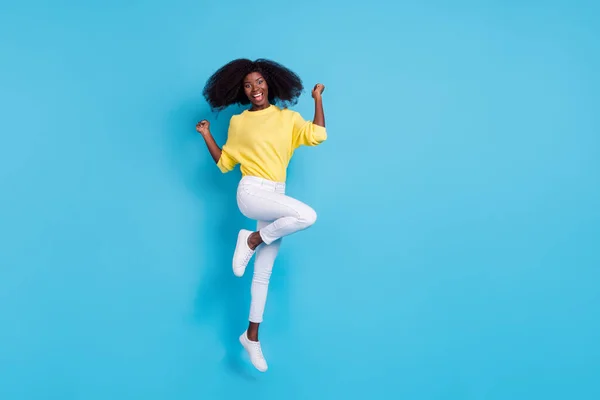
<point>277,215</point>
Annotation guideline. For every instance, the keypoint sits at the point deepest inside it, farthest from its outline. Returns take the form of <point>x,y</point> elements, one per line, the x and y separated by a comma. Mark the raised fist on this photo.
<point>318,91</point>
<point>203,127</point>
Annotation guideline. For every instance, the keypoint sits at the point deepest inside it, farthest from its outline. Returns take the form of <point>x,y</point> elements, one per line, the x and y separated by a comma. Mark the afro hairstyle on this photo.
<point>225,86</point>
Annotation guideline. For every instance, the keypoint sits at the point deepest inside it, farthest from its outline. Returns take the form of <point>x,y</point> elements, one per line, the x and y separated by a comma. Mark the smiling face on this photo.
<point>257,90</point>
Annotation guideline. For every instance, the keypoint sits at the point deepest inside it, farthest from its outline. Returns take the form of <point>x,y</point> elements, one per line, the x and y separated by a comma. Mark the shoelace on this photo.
<point>248,256</point>
<point>258,349</point>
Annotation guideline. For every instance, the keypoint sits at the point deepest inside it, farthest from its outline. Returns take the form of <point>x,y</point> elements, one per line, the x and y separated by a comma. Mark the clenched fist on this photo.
<point>318,91</point>
<point>203,127</point>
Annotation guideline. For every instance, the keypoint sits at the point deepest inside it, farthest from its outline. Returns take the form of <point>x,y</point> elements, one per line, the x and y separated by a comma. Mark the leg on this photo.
<point>263,266</point>
<point>287,214</point>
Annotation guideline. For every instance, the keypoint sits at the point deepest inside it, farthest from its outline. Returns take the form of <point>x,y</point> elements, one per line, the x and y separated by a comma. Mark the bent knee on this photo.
<point>308,216</point>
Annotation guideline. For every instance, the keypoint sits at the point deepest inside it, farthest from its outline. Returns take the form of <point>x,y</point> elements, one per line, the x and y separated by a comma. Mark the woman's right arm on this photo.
<point>203,127</point>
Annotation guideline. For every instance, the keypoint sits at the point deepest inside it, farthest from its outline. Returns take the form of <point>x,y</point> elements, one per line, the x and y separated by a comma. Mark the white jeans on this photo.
<point>277,215</point>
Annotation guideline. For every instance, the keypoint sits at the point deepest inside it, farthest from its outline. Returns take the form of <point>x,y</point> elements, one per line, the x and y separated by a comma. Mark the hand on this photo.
<point>318,91</point>
<point>203,127</point>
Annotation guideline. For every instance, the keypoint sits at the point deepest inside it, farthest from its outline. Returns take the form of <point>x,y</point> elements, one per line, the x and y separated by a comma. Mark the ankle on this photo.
<point>254,240</point>
<point>252,331</point>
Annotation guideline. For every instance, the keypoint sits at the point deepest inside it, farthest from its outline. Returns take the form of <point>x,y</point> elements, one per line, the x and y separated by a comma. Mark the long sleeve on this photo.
<point>228,161</point>
<point>306,133</point>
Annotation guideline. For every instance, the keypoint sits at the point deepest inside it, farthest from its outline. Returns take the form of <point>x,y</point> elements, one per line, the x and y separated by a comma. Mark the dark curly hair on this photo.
<point>225,86</point>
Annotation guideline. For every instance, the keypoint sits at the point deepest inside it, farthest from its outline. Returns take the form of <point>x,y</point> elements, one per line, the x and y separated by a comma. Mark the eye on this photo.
<point>260,81</point>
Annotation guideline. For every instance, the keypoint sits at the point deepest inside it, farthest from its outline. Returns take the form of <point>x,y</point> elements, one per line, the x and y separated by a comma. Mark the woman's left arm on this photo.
<point>319,114</point>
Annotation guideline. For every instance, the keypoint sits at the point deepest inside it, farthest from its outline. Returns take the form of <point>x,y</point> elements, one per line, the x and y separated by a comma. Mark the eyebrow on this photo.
<point>247,81</point>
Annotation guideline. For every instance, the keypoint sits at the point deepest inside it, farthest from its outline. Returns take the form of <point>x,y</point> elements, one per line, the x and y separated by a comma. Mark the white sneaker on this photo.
<point>255,352</point>
<point>243,253</point>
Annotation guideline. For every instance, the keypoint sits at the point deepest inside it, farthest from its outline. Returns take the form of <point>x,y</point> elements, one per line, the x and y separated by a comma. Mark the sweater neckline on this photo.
<point>267,110</point>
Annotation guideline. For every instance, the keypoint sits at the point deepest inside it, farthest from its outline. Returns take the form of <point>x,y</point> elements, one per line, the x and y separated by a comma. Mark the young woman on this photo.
<point>262,139</point>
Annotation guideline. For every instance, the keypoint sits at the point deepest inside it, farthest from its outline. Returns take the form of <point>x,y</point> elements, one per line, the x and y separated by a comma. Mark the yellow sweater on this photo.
<point>263,141</point>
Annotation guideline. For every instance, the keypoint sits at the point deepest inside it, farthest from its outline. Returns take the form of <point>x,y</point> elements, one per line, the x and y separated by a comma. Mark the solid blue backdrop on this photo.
<point>456,251</point>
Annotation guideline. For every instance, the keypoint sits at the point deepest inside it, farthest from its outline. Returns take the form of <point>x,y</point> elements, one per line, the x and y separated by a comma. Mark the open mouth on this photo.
<point>258,96</point>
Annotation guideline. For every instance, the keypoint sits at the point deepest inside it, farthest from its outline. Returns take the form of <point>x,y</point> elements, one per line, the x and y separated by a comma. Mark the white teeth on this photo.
<point>258,95</point>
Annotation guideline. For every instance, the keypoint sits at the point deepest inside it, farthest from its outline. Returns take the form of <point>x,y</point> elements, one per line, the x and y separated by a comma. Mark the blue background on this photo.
<point>456,254</point>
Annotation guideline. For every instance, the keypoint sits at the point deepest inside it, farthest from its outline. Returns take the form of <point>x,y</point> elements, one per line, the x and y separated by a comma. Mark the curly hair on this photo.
<point>225,86</point>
